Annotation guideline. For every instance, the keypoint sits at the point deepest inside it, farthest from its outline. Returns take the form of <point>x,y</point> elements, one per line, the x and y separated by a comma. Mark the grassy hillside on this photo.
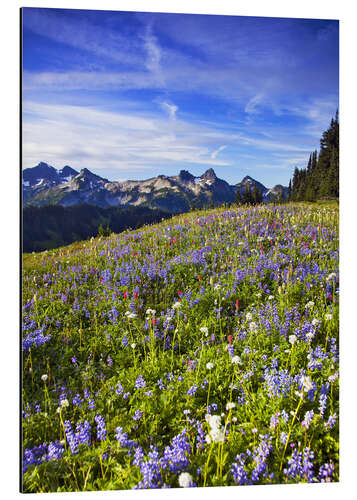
<point>201,351</point>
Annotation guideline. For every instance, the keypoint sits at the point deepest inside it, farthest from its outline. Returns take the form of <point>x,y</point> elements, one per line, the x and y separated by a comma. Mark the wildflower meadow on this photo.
<point>200,351</point>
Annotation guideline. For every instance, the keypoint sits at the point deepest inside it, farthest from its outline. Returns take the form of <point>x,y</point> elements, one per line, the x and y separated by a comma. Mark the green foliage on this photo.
<point>249,197</point>
<point>45,228</point>
<point>320,179</point>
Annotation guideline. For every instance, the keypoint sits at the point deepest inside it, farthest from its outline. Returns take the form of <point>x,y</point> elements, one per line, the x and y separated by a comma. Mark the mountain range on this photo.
<point>44,185</point>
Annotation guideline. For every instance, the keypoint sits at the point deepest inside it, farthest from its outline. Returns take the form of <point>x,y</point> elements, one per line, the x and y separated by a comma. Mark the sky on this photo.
<point>132,95</point>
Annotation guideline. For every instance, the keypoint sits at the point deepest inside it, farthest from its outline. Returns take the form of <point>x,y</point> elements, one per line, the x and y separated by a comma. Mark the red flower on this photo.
<point>230,338</point>
<point>126,294</point>
<point>237,305</point>
<point>180,293</point>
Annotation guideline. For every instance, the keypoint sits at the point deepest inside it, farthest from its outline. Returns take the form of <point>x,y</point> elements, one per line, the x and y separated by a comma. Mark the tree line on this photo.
<point>44,228</point>
<point>249,196</point>
<point>320,178</point>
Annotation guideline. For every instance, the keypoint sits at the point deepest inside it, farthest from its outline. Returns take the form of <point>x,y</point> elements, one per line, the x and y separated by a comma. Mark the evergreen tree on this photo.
<point>238,199</point>
<point>257,195</point>
<point>320,178</point>
<point>289,190</point>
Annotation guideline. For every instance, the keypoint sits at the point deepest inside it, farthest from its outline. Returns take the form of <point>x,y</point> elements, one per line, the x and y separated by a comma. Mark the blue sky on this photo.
<point>133,95</point>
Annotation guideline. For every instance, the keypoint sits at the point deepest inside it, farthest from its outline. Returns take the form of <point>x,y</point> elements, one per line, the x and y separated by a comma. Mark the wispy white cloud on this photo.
<point>101,140</point>
<point>153,56</point>
<point>78,31</point>
<point>215,153</point>
<point>252,105</point>
<point>87,80</point>
<point>170,109</point>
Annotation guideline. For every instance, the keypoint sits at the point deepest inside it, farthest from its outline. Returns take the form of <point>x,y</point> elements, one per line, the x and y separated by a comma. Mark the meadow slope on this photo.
<point>200,351</point>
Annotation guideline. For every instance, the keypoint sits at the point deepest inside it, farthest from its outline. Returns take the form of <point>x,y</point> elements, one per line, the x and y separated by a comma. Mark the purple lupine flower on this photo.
<point>119,389</point>
<point>325,473</point>
<point>122,438</point>
<point>274,420</point>
<point>125,341</point>
<point>300,466</point>
<point>55,450</point>
<point>323,404</point>
<point>161,385</point>
<point>238,472</point>
<point>77,400</point>
<point>71,437</point>
<point>331,421</point>
<point>140,382</point>
<point>283,437</point>
<point>175,456</point>
<point>138,414</point>
<point>101,428</point>
<point>83,432</point>
<point>309,415</point>
<point>138,456</point>
<point>192,390</point>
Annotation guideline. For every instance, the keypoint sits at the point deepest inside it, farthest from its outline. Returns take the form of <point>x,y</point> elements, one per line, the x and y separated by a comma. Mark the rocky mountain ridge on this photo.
<point>44,185</point>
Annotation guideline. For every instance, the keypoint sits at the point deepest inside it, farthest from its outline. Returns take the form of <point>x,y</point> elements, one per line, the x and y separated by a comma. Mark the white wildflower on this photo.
<point>314,322</point>
<point>270,297</point>
<point>130,315</point>
<point>249,316</point>
<point>204,330</point>
<point>213,420</point>
<point>176,305</point>
<point>64,403</point>
<point>253,326</point>
<point>133,346</point>
<point>209,366</point>
<point>328,317</point>
<point>150,312</point>
<point>44,377</point>
<point>306,383</point>
<point>292,339</point>
<point>331,276</point>
<point>310,305</point>
<point>185,480</point>
<point>236,360</point>
<point>230,406</point>
<point>215,435</point>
